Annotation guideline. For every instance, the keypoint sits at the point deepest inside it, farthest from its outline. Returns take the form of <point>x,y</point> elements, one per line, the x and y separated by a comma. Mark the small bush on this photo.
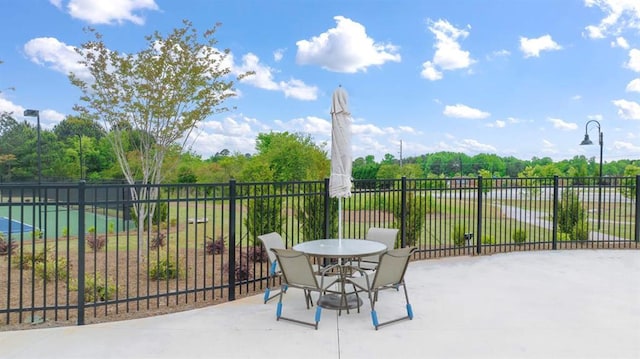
<point>96,242</point>
<point>214,247</point>
<point>51,269</point>
<point>6,247</point>
<point>580,232</point>
<point>165,268</point>
<point>488,240</point>
<point>458,236</point>
<point>570,211</point>
<point>158,241</point>
<point>96,289</point>
<point>519,236</point>
<point>257,254</point>
<point>28,260</point>
<point>242,271</point>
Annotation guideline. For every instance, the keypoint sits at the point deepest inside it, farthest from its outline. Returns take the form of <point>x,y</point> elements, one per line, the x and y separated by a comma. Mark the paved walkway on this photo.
<point>560,304</point>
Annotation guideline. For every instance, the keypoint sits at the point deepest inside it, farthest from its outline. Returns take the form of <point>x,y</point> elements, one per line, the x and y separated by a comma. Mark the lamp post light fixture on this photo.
<point>587,141</point>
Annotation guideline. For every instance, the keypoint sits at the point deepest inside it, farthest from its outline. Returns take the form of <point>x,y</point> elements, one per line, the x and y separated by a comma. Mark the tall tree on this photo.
<point>161,93</point>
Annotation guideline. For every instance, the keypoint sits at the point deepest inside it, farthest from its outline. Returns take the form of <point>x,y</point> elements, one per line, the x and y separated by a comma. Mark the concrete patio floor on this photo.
<point>560,304</point>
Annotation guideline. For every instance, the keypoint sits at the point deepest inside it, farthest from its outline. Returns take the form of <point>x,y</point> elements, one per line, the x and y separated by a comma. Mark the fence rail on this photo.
<point>78,252</point>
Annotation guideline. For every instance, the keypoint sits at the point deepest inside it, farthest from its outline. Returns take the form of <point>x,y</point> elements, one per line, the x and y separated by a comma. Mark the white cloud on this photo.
<point>626,147</point>
<point>634,85</point>
<point>316,126</point>
<point>533,47</point>
<point>237,135</point>
<point>620,42</point>
<point>477,147</point>
<point>620,15</point>
<point>498,53</point>
<point>263,78</point>
<point>345,48</point>
<point>562,125</point>
<point>48,118</point>
<point>497,124</point>
<point>634,60</point>
<point>628,110</point>
<point>463,111</point>
<point>430,72</point>
<point>10,107</point>
<point>56,3</point>
<point>107,12</point>
<point>278,55</point>
<point>49,51</point>
<point>449,55</point>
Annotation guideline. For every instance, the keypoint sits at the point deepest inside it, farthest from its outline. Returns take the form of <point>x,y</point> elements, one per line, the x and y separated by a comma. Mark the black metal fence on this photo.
<point>73,252</point>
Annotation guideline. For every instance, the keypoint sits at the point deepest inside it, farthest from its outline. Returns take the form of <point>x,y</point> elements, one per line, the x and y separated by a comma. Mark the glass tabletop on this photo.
<point>341,248</point>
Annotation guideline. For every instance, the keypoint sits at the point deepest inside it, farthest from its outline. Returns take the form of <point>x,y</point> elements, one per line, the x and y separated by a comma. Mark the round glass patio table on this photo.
<point>340,249</point>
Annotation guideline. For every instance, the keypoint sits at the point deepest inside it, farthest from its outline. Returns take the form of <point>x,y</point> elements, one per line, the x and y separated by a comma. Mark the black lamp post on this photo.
<point>36,114</point>
<point>81,159</point>
<point>587,141</point>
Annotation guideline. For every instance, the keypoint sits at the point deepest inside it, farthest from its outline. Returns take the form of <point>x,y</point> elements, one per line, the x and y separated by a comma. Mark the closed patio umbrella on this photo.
<point>340,179</point>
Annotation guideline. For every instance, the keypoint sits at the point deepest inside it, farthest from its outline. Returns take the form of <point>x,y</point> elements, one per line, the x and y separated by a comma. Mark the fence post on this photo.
<point>327,209</point>
<point>479,218</point>
<point>637,233</point>
<point>403,212</point>
<point>232,240</point>
<point>554,230</point>
<point>81,250</point>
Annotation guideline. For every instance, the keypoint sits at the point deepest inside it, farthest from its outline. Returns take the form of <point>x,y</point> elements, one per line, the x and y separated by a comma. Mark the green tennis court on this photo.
<point>59,221</point>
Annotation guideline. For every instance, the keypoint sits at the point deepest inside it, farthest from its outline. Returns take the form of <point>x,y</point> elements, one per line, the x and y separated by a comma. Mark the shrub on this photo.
<point>6,247</point>
<point>98,289</point>
<point>214,247</point>
<point>488,240</point>
<point>51,269</point>
<point>257,254</point>
<point>414,216</point>
<point>519,236</point>
<point>580,232</point>
<point>457,236</point>
<point>96,242</point>
<point>28,260</point>
<point>157,241</point>
<point>264,214</point>
<point>570,211</point>
<point>165,268</point>
<point>311,215</point>
<point>242,272</point>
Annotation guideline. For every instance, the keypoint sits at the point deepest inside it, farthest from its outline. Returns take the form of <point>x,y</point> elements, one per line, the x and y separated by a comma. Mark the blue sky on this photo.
<point>509,77</point>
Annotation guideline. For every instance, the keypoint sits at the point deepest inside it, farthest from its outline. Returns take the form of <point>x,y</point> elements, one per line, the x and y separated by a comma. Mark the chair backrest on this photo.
<point>272,240</point>
<point>386,236</point>
<point>393,264</point>
<point>296,268</point>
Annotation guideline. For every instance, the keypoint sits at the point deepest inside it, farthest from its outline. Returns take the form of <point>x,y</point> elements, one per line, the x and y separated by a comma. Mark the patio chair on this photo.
<point>269,241</point>
<point>386,236</point>
<point>389,275</point>
<point>297,272</point>
<point>274,240</point>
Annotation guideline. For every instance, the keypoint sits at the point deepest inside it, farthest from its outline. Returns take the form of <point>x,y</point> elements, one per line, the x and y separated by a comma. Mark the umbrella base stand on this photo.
<point>335,301</point>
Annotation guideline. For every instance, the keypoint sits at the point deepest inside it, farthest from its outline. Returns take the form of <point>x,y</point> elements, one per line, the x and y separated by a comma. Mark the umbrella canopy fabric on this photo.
<point>340,179</point>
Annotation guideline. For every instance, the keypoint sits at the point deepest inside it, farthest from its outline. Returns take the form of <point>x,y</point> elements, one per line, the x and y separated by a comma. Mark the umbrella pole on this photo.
<point>339,221</point>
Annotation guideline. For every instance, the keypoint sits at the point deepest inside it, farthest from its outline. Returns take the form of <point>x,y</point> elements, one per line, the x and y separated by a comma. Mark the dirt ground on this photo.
<point>129,278</point>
